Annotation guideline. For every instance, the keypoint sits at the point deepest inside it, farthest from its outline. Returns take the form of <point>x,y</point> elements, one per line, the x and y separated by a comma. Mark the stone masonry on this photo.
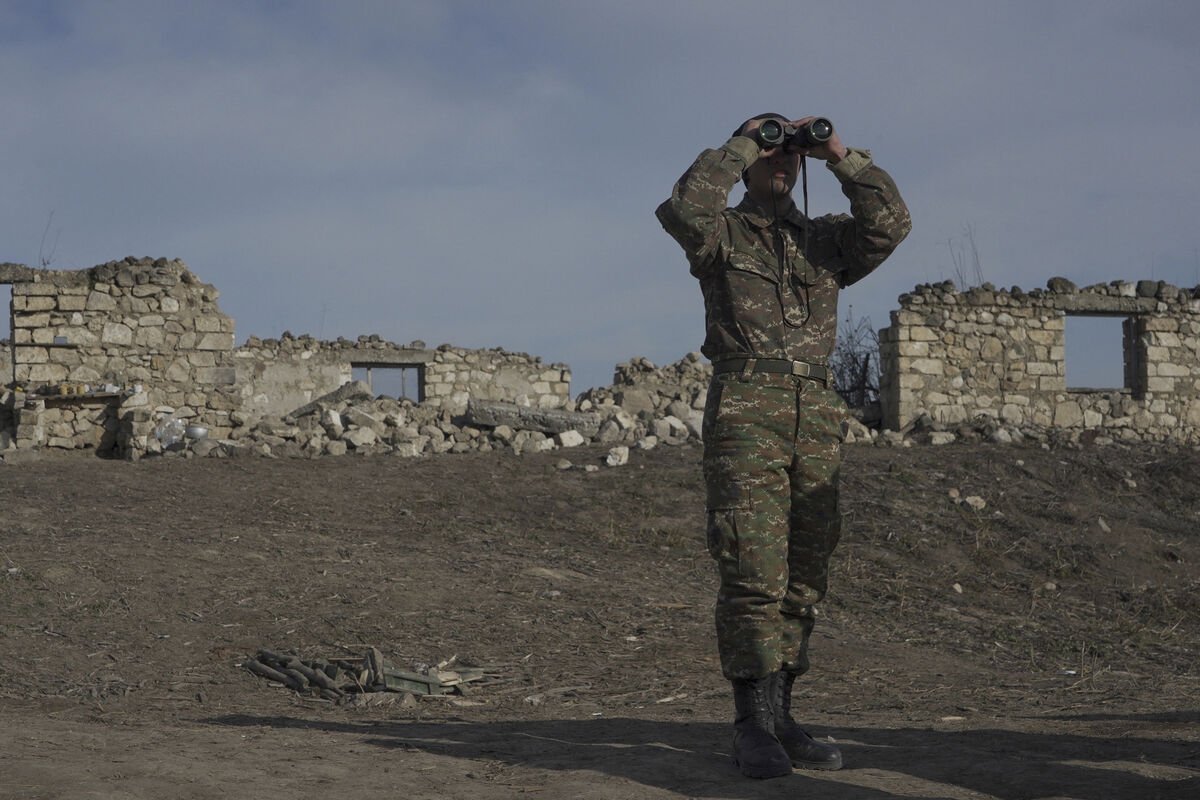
<point>102,358</point>
<point>279,375</point>
<point>951,356</point>
<point>95,353</point>
<point>125,357</point>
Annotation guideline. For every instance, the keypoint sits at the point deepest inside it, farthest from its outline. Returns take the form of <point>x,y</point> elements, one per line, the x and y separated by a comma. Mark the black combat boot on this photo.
<point>804,751</point>
<point>755,749</point>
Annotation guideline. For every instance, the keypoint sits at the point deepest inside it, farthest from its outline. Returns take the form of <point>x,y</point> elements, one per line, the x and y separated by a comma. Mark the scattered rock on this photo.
<point>360,437</point>
<point>569,439</point>
<point>617,457</point>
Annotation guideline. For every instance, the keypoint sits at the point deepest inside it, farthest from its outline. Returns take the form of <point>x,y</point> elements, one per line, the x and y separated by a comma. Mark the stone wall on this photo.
<point>954,355</point>
<point>103,358</point>
<point>113,357</point>
<point>453,377</point>
<point>280,375</point>
<point>6,366</point>
<point>97,353</point>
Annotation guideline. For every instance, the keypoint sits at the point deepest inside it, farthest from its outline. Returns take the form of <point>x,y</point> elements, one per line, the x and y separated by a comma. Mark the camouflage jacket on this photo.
<point>752,309</point>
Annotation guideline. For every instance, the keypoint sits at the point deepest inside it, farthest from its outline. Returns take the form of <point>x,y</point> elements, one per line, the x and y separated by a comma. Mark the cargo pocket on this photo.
<point>722,537</point>
<point>827,411</point>
<point>726,501</point>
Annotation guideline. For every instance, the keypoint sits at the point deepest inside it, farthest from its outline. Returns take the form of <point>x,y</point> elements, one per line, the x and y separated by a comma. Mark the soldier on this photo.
<point>772,423</point>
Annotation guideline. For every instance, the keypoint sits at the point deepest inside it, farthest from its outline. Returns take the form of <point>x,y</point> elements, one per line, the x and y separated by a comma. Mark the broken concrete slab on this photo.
<point>544,420</point>
<point>353,392</point>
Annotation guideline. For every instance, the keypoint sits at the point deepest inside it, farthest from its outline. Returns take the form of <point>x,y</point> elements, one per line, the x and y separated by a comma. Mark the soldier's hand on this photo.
<point>832,151</point>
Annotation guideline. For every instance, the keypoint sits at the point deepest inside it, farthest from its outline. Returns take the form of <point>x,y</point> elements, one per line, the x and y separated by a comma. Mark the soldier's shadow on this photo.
<point>693,759</point>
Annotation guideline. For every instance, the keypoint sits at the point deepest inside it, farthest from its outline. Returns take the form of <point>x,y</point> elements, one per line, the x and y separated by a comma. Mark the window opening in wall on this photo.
<point>1097,355</point>
<point>394,380</point>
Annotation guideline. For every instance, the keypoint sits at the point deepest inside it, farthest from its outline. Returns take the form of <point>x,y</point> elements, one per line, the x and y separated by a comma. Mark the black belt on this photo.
<point>778,366</point>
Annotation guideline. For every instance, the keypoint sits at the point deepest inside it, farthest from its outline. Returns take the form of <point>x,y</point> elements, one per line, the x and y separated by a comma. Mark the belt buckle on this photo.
<point>801,369</point>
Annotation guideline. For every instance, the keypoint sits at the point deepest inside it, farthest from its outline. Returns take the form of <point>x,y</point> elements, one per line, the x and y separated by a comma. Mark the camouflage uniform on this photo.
<point>772,441</point>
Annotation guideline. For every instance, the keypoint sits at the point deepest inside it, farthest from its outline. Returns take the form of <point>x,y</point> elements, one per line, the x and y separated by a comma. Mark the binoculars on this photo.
<point>776,133</point>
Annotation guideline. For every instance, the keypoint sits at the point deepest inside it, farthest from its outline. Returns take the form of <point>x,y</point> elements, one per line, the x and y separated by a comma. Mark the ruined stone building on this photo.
<point>96,358</point>
<point>955,355</point>
<point>102,358</point>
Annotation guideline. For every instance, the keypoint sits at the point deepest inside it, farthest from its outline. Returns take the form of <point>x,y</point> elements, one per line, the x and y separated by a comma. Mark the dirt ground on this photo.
<point>1042,646</point>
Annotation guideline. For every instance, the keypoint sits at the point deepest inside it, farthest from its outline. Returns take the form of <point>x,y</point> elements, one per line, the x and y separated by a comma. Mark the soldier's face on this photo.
<point>774,174</point>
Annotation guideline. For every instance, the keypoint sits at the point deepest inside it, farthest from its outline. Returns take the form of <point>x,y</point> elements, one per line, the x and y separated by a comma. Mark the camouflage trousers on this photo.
<point>772,450</point>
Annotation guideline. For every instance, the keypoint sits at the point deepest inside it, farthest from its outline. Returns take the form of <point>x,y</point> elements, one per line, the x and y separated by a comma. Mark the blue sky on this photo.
<point>485,173</point>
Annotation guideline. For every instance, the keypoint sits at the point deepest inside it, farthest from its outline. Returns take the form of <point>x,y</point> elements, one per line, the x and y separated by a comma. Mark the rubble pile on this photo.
<point>668,402</point>
<point>925,430</point>
<point>645,407</point>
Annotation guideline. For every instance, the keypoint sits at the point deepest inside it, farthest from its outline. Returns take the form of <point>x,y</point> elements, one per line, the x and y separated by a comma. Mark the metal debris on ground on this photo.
<point>340,677</point>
